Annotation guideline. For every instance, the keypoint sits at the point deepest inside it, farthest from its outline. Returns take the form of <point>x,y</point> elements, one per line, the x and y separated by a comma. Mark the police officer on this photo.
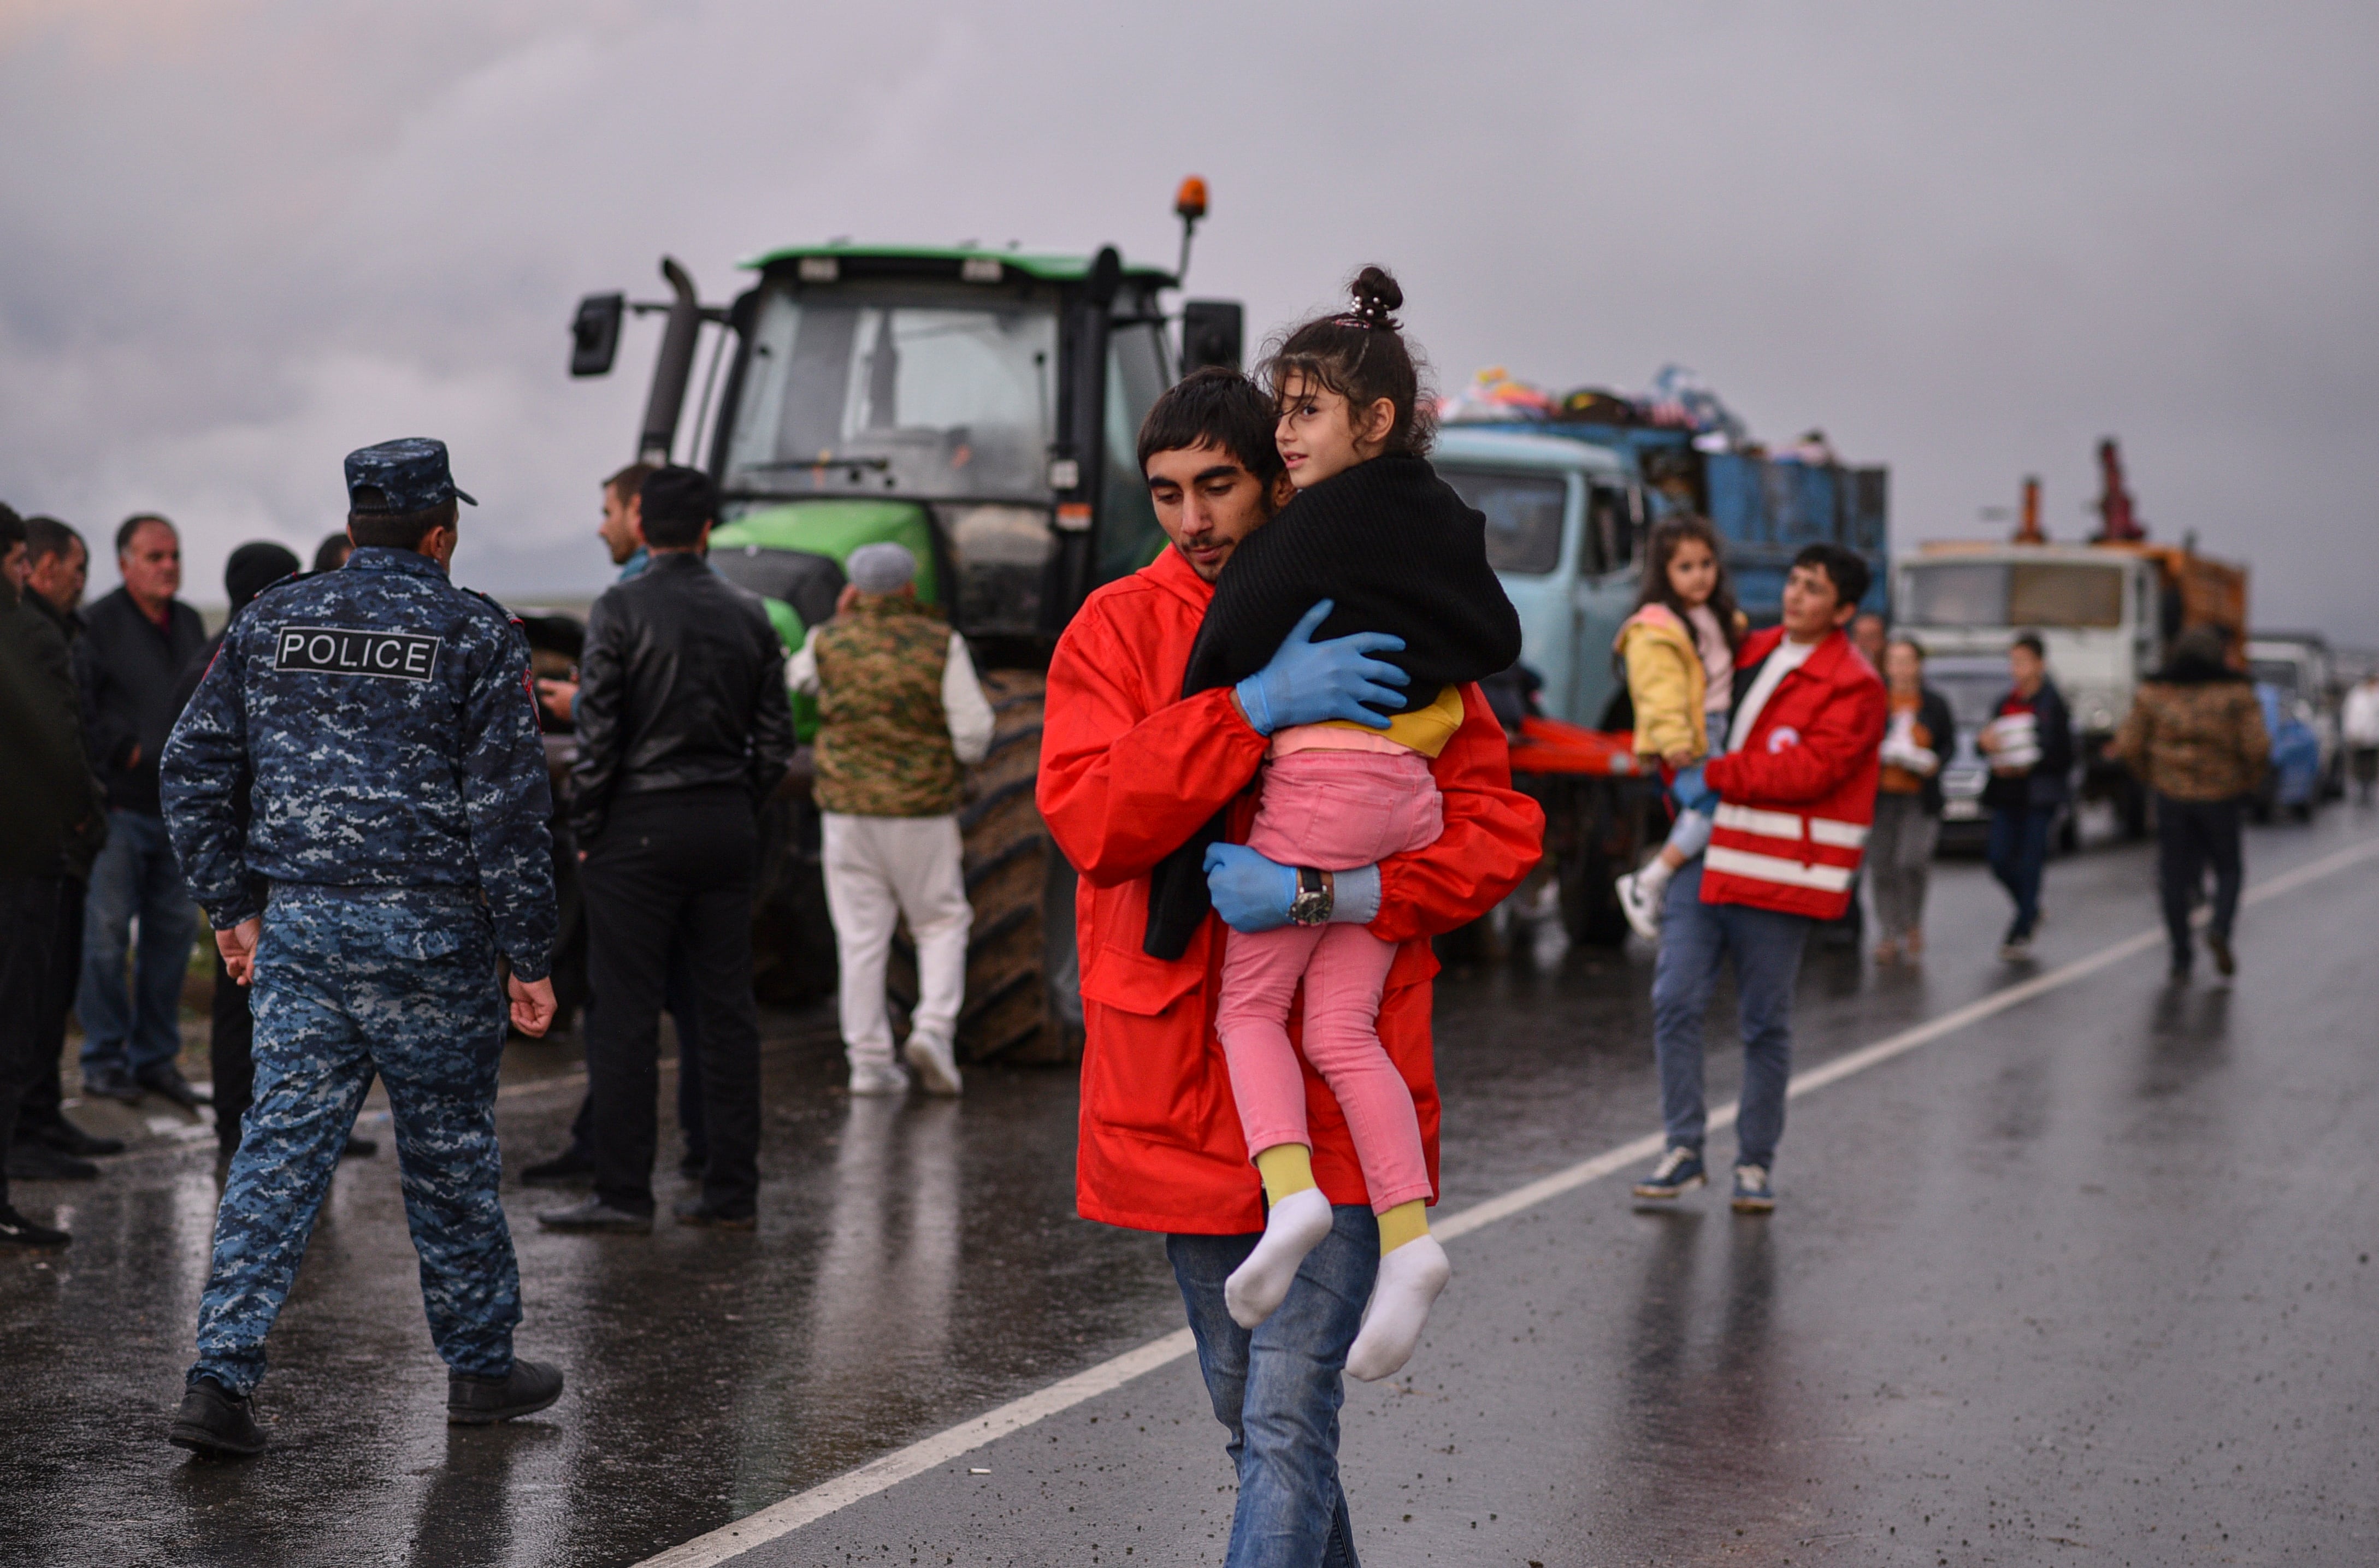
<point>378,721</point>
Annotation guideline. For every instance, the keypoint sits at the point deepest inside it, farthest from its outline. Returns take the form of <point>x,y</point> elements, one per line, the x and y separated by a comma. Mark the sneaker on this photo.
<point>571,1165</point>
<point>2015,949</point>
<point>112,1083</point>
<point>20,1235</point>
<point>359,1148</point>
<point>937,1072</point>
<point>1680,1171</point>
<point>878,1077</point>
<point>39,1162</point>
<point>2225,964</point>
<point>695,1213</point>
<point>1887,951</point>
<point>595,1215</point>
<point>473,1401</point>
<point>167,1081</point>
<point>1639,904</point>
<point>215,1423</point>
<point>1754,1193</point>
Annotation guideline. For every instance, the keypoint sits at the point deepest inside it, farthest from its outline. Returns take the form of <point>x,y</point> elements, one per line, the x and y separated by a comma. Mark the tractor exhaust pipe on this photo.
<point>675,368</point>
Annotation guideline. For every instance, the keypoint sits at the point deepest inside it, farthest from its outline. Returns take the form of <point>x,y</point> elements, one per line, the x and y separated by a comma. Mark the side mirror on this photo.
<point>1213,333</point>
<point>594,333</point>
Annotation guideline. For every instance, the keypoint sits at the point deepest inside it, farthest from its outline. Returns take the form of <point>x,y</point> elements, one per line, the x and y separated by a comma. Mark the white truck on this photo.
<point>2105,614</point>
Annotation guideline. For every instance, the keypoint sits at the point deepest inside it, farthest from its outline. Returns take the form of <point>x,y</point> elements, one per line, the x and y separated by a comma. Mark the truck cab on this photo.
<point>1564,522</point>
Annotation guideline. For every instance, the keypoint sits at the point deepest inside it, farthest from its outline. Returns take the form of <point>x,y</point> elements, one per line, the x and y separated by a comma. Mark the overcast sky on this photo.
<point>241,238</point>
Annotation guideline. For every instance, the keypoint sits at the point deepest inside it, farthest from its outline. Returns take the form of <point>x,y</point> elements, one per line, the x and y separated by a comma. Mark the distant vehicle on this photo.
<point>2300,669</point>
<point>2107,612</point>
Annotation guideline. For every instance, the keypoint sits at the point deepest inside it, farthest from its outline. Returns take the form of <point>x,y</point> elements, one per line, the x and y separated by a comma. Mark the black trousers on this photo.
<point>44,1098</point>
<point>677,867</point>
<point>28,909</point>
<point>677,1000</point>
<point>2192,835</point>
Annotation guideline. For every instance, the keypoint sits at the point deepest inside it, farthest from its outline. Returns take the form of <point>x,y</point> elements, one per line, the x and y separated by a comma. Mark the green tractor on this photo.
<point>981,407</point>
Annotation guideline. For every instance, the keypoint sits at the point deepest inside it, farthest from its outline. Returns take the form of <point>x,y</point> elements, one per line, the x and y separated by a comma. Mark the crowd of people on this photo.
<point>1266,754</point>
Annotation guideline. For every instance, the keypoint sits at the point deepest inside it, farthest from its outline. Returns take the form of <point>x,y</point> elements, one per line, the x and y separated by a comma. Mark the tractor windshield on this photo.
<point>911,390</point>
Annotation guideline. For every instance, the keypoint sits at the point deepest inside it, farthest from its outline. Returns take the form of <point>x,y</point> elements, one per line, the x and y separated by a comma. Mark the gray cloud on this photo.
<point>245,238</point>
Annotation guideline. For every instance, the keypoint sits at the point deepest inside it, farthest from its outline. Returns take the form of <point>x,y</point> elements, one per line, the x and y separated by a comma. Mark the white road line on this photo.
<point>879,1475</point>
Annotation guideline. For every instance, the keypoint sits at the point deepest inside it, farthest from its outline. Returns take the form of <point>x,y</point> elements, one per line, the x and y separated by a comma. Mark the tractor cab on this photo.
<point>979,406</point>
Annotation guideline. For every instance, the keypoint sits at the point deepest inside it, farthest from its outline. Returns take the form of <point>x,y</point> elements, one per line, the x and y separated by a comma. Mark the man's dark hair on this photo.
<point>131,526</point>
<point>1844,569</point>
<point>2030,640</point>
<point>401,530</point>
<point>629,482</point>
<point>46,536</point>
<point>1219,407</point>
<point>678,502</point>
<point>12,528</point>
<point>333,552</point>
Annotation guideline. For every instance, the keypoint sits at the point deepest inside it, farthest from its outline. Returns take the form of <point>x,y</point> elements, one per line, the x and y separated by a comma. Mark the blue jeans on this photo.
<point>1695,940</point>
<point>135,876</point>
<point>2018,849</point>
<point>1277,1388</point>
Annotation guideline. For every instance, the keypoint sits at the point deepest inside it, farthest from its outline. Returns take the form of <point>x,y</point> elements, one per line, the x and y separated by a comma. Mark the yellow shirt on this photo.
<point>1423,729</point>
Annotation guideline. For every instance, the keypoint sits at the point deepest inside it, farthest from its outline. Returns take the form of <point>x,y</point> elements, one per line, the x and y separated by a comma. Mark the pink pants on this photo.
<point>1335,811</point>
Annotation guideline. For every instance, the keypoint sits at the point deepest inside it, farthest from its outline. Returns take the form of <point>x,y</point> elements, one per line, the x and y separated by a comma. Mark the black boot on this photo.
<point>215,1423</point>
<point>39,1162</point>
<point>67,1138</point>
<point>572,1164</point>
<point>596,1215</point>
<point>166,1079</point>
<point>19,1234</point>
<point>481,1402</point>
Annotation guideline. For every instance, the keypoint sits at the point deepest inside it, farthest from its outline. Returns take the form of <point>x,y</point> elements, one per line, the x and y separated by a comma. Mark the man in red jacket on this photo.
<point>1130,769</point>
<point>1791,798</point>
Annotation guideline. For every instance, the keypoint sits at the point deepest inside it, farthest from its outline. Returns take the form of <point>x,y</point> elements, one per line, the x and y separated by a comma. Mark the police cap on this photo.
<point>401,476</point>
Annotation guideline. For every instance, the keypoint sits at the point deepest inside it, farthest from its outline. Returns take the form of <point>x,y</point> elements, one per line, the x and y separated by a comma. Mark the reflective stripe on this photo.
<point>1771,868</point>
<point>1788,825</point>
<point>1766,824</point>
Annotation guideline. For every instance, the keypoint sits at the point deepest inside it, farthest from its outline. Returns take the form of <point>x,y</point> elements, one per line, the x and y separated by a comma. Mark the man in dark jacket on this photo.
<point>48,1147</point>
<point>45,780</point>
<point>134,643</point>
<point>683,728</point>
<point>2030,744</point>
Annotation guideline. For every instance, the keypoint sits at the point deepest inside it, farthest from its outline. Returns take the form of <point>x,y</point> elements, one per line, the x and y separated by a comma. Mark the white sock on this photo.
<point>1257,1287</point>
<point>1651,879</point>
<point>1409,1279</point>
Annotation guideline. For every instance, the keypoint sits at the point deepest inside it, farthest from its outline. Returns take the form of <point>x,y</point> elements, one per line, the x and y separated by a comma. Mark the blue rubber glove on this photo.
<point>1692,793</point>
<point>1308,682</point>
<point>1250,892</point>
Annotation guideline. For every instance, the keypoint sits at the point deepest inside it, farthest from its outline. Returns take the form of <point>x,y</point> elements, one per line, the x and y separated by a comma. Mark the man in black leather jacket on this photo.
<point>683,728</point>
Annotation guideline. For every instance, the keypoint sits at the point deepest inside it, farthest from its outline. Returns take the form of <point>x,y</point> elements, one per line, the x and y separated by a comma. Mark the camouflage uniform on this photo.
<point>380,723</point>
<point>884,741</point>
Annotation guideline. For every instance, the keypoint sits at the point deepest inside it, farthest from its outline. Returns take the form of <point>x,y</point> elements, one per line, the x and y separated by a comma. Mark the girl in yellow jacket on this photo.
<point>1679,651</point>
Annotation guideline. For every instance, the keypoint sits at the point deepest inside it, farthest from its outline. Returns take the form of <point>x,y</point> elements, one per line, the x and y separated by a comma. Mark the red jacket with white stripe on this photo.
<point>1796,798</point>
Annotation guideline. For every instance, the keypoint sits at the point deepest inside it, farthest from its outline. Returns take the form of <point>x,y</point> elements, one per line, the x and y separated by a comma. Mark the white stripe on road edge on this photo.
<point>880,1474</point>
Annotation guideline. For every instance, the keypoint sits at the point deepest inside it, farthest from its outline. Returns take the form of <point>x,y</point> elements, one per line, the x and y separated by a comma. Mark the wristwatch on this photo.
<point>1316,897</point>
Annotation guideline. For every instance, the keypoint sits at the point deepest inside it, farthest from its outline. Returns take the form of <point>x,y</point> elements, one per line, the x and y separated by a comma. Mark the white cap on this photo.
<point>882,568</point>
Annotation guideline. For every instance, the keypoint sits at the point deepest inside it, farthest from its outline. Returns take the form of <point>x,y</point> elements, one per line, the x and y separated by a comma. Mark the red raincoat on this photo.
<point>1129,769</point>
<point>1798,796</point>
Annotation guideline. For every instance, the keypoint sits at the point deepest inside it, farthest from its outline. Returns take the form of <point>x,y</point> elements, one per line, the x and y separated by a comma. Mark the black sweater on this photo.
<point>1397,551</point>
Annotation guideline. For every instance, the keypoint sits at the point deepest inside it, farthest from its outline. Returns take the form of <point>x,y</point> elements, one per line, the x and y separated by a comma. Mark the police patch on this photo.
<point>348,650</point>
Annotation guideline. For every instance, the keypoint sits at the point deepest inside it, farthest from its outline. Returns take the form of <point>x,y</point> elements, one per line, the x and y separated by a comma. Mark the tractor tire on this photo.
<point>1023,988</point>
<point>1593,832</point>
<point>793,936</point>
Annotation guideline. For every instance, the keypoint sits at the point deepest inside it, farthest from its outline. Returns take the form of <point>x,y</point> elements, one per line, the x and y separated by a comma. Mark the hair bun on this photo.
<point>1376,294</point>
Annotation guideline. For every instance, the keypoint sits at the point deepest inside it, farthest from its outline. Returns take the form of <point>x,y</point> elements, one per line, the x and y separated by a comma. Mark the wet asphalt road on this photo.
<point>2087,1281</point>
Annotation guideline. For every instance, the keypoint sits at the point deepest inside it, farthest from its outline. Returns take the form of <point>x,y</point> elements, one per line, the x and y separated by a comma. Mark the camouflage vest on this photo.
<point>884,739</point>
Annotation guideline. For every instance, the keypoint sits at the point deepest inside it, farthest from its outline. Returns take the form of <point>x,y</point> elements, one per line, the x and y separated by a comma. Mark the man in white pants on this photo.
<point>900,714</point>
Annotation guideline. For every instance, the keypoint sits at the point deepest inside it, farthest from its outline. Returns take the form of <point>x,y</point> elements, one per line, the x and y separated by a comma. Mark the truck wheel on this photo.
<point>1023,989</point>
<point>1589,905</point>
